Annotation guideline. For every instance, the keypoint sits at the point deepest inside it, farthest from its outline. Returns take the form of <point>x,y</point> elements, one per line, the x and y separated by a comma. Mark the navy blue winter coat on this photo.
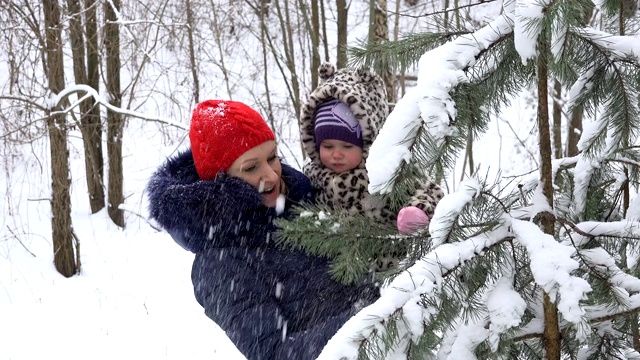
<point>273,303</point>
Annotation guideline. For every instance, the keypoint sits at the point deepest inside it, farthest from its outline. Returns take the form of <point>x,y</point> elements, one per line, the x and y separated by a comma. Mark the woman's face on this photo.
<point>261,168</point>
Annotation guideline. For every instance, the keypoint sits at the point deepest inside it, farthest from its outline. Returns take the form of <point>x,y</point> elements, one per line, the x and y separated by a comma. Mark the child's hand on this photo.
<point>411,218</point>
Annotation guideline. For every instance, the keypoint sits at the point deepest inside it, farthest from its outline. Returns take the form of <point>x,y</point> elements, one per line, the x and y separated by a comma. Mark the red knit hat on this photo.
<point>221,131</point>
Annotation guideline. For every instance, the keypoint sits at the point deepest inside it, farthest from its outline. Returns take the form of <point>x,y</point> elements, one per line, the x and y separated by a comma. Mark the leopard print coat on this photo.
<point>364,91</point>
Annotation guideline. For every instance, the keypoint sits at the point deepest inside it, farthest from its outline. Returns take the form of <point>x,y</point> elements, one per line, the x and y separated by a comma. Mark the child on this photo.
<point>339,122</point>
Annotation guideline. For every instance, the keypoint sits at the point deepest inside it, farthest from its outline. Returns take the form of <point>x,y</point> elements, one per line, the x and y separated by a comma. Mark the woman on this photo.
<point>219,200</point>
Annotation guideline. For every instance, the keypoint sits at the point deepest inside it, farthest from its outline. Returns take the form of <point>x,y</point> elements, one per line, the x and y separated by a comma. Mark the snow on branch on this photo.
<point>622,228</point>
<point>532,183</point>
<point>506,308</point>
<point>583,84</point>
<point>462,340</point>
<point>423,278</point>
<point>449,208</point>
<point>618,46</point>
<point>582,177</point>
<point>430,102</point>
<point>57,99</point>
<point>601,261</point>
<point>528,25</point>
<point>551,266</point>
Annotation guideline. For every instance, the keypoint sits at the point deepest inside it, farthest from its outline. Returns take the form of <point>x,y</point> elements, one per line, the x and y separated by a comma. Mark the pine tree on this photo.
<point>545,267</point>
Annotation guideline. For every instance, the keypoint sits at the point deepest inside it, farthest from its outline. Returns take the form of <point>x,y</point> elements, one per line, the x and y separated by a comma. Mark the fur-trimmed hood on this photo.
<point>201,214</point>
<point>363,90</point>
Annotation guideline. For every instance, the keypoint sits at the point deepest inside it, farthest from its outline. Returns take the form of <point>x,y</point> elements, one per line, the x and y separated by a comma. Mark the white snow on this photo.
<point>505,307</point>
<point>449,207</point>
<point>551,265</point>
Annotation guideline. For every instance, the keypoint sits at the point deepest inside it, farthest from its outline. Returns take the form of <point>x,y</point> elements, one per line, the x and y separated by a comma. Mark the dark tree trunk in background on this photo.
<point>574,131</point>
<point>89,123</point>
<point>325,39</point>
<point>557,120</point>
<point>115,122</point>
<point>62,230</point>
<point>343,12</point>
<point>551,336</point>
<point>379,33</point>
<point>94,121</point>
<point>315,44</point>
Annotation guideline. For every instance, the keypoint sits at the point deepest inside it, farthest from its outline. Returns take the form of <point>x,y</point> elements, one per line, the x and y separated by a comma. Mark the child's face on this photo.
<point>340,156</point>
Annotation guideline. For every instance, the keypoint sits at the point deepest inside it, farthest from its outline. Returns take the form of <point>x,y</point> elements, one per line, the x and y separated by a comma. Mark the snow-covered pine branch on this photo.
<point>423,278</point>
<point>602,262</point>
<point>430,101</point>
<point>527,26</point>
<point>551,266</point>
<point>620,47</point>
<point>449,208</point>
<point>582,177</point>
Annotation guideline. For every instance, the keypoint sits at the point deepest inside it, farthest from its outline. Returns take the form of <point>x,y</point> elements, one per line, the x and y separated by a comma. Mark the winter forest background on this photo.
<point>525,111</point>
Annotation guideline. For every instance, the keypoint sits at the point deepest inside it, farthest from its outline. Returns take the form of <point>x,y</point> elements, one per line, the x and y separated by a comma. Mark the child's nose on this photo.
<point>337,154</point>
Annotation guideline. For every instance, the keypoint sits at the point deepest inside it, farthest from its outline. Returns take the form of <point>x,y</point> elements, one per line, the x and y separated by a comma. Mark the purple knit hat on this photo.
<point>335,121</point>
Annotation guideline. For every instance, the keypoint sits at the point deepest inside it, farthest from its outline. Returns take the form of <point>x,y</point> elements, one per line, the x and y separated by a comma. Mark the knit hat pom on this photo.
<point>221,131</point>
<point>326,70</point>
<point>335,121</point>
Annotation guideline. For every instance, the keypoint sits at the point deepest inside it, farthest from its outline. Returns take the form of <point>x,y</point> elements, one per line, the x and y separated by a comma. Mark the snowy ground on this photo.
<point>134,298</point>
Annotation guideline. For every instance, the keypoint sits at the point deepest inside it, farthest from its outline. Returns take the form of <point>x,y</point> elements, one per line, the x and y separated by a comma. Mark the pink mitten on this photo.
<point>411,218</point>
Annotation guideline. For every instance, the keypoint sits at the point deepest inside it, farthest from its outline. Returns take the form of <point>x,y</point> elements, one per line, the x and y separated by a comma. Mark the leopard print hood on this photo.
<point>364,92</point>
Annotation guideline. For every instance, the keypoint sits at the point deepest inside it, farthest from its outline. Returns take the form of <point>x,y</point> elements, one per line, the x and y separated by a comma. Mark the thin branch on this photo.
<point>20,241</point>
<point>481,2</point>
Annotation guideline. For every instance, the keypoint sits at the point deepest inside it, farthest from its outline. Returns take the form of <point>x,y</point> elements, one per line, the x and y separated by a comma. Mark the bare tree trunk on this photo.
<point>551,336</point>
<point>115,122</point>
<point>325,41</point>
<point>574,131</point>
<point>62,229</point>
<point>263,40</point>
<point>93,119</point>
<point>396,29</point>
<point>379,33</point>
<point>625,186</point>
<point>315,44</point>
<point>92,158</point>
<point>290,56</point>
<point>192,56</point>
<point>557,120</point>
<point>446,15</point>
<point>341,61</point>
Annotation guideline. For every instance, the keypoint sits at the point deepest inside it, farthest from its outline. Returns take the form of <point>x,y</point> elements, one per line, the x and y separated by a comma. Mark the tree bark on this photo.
<point>341,61</point>
<point>379,33</point>
<point>552,341</point>
<point>315,44</point>
<point>93,119</point>
<point>92,158</point>
<point>62,230</point>
<point>574,131</point>
<point>557,120</point>
<point>325,40</point>
<point>115,122</point>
